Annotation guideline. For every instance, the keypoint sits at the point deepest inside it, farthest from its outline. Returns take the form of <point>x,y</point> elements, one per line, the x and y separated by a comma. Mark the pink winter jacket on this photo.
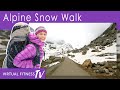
<point>24,58</point>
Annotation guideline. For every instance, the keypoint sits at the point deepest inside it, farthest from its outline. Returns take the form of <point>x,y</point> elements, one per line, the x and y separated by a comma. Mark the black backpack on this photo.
<point>16,45</point>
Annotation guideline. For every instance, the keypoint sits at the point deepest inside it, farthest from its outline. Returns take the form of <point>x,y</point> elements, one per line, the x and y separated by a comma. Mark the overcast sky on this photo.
<point>77,34</point>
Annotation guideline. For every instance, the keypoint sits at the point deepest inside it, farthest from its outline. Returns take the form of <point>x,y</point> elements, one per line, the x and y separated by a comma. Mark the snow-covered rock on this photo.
<point>79,58</point>
<point>56,48</point>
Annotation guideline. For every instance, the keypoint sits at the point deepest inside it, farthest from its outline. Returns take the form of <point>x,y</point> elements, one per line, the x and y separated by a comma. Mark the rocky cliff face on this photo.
<point>4,38</point>
<point>107,38</point>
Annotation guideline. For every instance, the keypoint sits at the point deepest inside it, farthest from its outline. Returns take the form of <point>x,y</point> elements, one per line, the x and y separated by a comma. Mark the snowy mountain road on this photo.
<point>69,69</point>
